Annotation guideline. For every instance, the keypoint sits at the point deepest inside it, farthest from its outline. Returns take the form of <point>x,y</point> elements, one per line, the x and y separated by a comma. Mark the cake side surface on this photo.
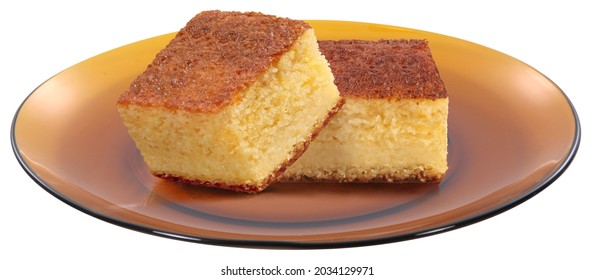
<point>295,98</point>
<point>375,140</point>
<point>246,144</point>
<point>393,126</point>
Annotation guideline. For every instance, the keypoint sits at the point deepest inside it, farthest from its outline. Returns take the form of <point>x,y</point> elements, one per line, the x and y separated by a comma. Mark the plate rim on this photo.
<point>271,244</point>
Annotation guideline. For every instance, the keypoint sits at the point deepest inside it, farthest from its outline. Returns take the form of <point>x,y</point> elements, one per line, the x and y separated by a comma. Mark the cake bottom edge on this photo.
<point>415,178</point>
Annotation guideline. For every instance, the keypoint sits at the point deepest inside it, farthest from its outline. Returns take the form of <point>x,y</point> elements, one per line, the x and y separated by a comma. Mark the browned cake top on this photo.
<point>214,57</point>
<point>384,69</point>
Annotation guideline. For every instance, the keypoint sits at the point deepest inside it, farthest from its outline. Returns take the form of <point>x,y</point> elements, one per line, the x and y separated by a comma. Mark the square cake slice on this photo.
<point>393,126</point>
<point>231,101</point>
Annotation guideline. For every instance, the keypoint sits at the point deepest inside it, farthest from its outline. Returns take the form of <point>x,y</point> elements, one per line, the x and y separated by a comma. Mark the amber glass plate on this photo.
<point>512,132</point>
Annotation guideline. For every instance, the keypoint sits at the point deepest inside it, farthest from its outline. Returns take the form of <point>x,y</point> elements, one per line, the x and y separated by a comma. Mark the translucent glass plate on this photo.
<point>512,132</point>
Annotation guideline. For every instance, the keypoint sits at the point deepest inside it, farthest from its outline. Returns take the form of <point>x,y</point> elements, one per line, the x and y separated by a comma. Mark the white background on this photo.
<point>549,236</point>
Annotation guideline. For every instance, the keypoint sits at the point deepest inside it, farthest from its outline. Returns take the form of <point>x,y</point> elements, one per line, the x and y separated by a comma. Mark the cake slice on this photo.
<point>393,126</point>
<point>231,101</point>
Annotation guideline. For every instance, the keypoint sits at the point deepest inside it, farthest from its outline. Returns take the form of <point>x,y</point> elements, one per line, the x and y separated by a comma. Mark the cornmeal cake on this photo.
<point>393,126</point>
<point>231,101</point>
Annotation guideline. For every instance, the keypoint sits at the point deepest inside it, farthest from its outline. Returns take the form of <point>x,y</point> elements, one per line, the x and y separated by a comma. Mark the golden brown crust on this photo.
<point>384,69</point>
<point>418,177</point>
<point>213,58</point>
<point>413,179</point>
<point>256,188</point>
